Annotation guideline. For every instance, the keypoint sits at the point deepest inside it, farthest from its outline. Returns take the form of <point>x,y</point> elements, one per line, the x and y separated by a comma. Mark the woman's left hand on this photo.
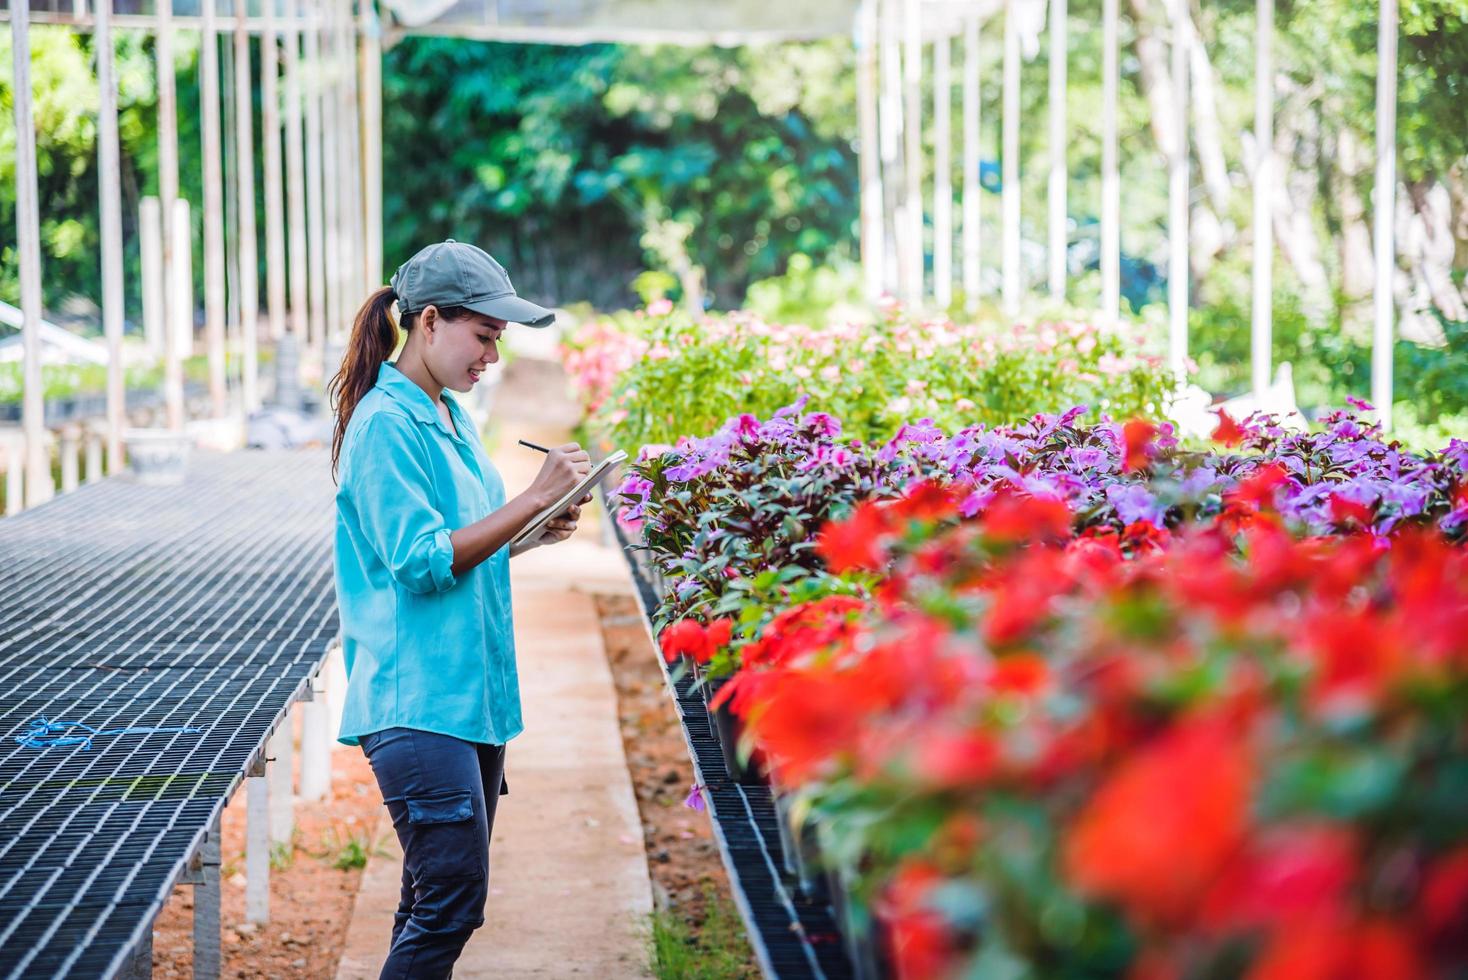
<point>562,527</point>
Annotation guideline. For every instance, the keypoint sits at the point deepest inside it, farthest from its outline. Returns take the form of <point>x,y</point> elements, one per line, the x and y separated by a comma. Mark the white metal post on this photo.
<point>1262,339</point>
<point>873,246</point>
<point>181,297</point>
<point>316,742</point>
<point>971,159</point>
<point>174,318</point>
<point>942,172</point>
<point>1110,172</point>
<point>370,86</point>
<point>890,132</point>
<point>1384,201</point>
<point>257,846</point>
<point>1009,193</point>
<point>275,285</point>
<point>1177,198</point>
<point>280,773</point>
<point>912,164</point>
<point>1056,195</point>
<point>214,295</point>
<point>28,238</point>
<point>109,195</point>
<point>249,255</point>
<point>295,168</point>
<point>315,177</point>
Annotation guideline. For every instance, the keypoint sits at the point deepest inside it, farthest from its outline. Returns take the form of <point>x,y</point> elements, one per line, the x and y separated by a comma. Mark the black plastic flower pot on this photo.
<point>728,727</point>
<point>801,849</point>
<point>860,934</point>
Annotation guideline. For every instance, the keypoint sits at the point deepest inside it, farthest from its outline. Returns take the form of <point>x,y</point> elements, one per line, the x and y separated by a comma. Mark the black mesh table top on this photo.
<point>207,606</point>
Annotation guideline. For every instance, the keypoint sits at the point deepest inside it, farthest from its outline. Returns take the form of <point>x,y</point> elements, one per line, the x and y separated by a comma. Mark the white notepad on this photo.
<point>598,473</point>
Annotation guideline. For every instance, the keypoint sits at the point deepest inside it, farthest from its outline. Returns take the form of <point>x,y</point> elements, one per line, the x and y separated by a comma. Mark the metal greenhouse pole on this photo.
<point>109,193</point>
<point>1059,233</point>
<point>942,172</point>
<point>1262,340</point>
<point>1009,193</point>
<point>270,141</point>
<point>1384,208</point>
<point>214,294</point>
<point>971,189</point>
<point>1110,173</point>
<point>315,177</point>
<point>1177,198</point>
<point>873,245</point>
<point>175,320</point>
<point>38,486</point>
<point>889,132</point>
<point>249,274</point>
<point>911,241</point>
<point>295,168</point>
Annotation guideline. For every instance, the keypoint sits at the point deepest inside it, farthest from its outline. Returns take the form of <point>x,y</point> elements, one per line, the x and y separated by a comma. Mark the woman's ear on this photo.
<point>428,320</point>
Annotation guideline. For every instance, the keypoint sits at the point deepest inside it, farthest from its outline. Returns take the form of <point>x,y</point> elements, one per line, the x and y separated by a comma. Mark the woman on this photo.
<point>423,584</point>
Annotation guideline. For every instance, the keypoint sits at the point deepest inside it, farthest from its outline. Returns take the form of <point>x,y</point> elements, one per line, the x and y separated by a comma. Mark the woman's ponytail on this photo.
<point>374,337</point>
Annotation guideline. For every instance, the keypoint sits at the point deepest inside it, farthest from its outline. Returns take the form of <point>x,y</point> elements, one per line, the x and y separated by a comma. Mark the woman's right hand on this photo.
<point>563,468</point>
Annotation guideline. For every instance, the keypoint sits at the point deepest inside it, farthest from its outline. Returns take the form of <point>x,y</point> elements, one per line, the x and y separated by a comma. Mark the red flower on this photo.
<point>1258,489</point>
<point>1445,895</point>
<point>955,760</point>
<point>1137,437</point>
<point>921,946</point>
<point>1289,874</point>
<point>1345,512</point>
<point>1020,673</point>
<point>1015,517</point>
<point>1330,948</point>
<point>857,542</point>
<point>1228,431</point>
<point>1162,827</point>
<point>688,637</point>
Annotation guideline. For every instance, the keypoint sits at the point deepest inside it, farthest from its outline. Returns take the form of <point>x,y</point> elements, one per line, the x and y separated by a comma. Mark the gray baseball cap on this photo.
<point>458,274</point>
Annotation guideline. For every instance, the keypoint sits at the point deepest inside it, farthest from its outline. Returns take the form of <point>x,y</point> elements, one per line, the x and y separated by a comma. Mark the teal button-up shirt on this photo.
<point>424,649</point>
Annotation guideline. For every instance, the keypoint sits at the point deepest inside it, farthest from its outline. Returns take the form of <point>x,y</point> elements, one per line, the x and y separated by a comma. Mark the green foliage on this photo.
<point>726,161</point>
<point>687,377</point>
<point>348,850</point>
<point>719,951</point>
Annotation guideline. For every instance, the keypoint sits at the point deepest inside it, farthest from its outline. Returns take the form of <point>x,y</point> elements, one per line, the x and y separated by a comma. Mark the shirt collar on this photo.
<point>405,391</point>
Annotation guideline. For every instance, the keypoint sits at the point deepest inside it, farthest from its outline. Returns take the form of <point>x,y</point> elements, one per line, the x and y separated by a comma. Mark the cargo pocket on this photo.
<point>445,836</point>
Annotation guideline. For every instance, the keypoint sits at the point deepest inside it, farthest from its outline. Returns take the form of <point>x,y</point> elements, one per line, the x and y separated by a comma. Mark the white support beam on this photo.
<point>1056,194</point>
<point>28,237</point>
<point>109,196</point>
<point>370,86</point>
<point>890,134</point>
<point>270,142</point>
<point>1110,171</point>
<point>249,254</point>
<point>1009,193</point>
<point>942,172</point>
<point>873,245</point>
<point>315,190</point>
<point>336,307</point>
<point>971,190</point>
<point>257,848</point>
<point>911,243</point>
<point>1384,203</point>
<point>175,319</point>
<point>181,295</point>
<point>295,169</point>
<point>1177,197</point>
<point>1262,326</point>
<point>280,751</point>
<point>214,294</point>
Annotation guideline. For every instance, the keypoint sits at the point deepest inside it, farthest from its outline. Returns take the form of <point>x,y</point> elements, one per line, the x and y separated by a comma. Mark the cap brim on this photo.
<point>515,310</point>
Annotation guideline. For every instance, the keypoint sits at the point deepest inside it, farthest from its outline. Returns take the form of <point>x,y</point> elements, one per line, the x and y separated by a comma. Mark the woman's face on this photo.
<point>457,351</point>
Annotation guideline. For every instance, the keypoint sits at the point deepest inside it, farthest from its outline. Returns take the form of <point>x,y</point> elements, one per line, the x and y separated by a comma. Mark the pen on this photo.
<point>532,445</point>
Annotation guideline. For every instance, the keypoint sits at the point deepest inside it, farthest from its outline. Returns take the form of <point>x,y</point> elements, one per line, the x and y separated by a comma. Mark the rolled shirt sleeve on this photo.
<point>389,489</point>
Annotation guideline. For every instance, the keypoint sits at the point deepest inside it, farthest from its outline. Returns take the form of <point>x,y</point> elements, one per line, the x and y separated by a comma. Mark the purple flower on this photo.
<point>1133,503</point>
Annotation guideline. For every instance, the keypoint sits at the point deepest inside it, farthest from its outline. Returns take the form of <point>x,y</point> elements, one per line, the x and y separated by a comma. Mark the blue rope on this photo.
<point>43,734</point>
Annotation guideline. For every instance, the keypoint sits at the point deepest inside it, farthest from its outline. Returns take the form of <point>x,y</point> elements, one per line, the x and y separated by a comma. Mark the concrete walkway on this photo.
<point>569,887</point>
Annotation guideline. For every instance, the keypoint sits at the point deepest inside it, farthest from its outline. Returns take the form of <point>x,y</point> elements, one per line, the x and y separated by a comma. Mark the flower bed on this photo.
<point>1070,699</point>
<point>653,376</point>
